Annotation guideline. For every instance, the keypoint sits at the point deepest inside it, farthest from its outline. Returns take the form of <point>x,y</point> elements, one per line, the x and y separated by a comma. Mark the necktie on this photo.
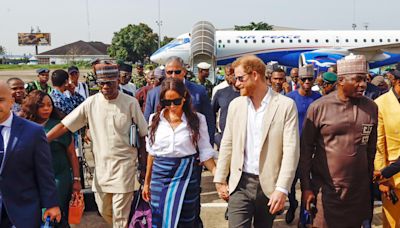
<point>1,146</point>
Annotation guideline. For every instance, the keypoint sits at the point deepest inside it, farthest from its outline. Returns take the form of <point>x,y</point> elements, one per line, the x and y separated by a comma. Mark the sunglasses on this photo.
<point>173,71</point>
<point>240,78</point>
<point>165,102</point>
<point>307,78</point>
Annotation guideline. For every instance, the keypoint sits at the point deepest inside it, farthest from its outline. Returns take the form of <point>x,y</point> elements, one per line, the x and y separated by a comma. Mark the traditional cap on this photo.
<point>73,69</point>
<point>306,71</point>
<point>352,64</point>
<point>329,77</point>
<point>125,67</point>
<point>159,73</point>
<point>42,70</point>
<point>204,66</point>
<point>106,72</point>
<point>377,80</point>
<point>396,74</point>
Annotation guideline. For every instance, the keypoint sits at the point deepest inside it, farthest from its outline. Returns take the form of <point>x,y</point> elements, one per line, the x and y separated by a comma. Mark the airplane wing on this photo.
<point>392,48</point>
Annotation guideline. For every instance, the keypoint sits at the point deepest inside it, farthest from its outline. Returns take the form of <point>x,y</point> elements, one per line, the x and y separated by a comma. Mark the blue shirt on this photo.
<point>64,103</point>
<point>302,103</point>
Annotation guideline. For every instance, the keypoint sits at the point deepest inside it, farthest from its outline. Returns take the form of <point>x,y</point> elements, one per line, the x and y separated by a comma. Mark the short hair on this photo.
<point>13,79</point>
<point>173,59</point>
<point>250,63</point>
<point>58,77</point>
<point>279,70</point>
<point>228,67</point>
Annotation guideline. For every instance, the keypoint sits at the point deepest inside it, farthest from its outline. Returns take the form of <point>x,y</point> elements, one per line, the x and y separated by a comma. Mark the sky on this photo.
<point>71,20</point>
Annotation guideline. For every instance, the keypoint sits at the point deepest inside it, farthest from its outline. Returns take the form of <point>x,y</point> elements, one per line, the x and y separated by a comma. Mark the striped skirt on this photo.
<point>175,190</point>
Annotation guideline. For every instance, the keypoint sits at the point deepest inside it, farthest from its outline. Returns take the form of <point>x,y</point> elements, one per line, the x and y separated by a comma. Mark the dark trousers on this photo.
<point>5,221</point>
<point>198,222</point>
<point>248,204</point>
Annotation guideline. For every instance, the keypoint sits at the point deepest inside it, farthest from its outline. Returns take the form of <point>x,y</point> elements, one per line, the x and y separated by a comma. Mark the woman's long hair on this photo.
<point>191,116</point>
<point>32,103</point>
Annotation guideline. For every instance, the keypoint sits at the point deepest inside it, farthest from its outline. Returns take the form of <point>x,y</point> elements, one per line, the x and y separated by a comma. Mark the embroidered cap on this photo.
<point>106,72</point>
<point>306,71</point>
<point>352,64</point>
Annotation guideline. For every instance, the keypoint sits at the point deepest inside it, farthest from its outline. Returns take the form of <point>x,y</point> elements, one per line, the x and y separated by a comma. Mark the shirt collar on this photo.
<point>8,121</point>
<point>265,100</point>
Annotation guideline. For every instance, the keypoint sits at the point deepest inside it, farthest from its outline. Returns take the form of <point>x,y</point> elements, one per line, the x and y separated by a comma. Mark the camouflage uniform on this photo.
<point>139,81</point>
<point>35,85</point>
<point>91,82</point>
<point>207,84</point>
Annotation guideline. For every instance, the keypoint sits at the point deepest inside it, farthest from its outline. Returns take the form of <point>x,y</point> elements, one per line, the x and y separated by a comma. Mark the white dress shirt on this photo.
<point>129,87</point>
<point>178,143</point>
<point>6,132</point>
<point>255,128</point>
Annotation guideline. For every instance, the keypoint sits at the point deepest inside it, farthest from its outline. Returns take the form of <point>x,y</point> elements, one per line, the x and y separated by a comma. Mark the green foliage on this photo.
<point>254,26</point>
<point>166,40</point>
<point>2,50</point>
<point>133,43</point>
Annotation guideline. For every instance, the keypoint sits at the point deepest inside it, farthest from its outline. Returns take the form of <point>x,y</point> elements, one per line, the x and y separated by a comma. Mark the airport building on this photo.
<point>77,51</point>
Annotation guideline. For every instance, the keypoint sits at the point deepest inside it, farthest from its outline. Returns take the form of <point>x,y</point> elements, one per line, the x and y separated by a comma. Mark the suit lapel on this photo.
<point>269,114</point>
<point>242,122</point>
<point>12,142</point>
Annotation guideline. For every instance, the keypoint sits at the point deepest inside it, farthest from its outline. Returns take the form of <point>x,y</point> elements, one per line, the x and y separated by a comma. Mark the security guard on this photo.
<point>138,78</point>
<point>41,82</point>
<point>201,79</point>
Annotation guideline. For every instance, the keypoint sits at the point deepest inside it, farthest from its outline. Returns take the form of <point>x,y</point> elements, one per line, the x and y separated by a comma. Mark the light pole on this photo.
<point>159,23</point>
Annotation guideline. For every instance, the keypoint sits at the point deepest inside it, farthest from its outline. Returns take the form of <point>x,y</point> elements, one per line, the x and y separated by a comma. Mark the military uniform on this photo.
<point>35,85</point>
<point>207,84</point>
<point>139,81</point>
<point>91,82</point>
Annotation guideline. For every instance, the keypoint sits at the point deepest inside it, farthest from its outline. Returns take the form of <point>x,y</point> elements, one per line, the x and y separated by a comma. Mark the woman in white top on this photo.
<point>178,137</point>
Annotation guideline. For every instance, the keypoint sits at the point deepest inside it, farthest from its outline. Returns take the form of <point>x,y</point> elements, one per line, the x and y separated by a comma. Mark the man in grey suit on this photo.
<point>259,148</point>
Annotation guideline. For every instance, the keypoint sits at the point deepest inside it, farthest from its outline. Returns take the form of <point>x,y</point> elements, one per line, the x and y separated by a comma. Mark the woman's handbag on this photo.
<point>141,216</point>
<point>76,208</point>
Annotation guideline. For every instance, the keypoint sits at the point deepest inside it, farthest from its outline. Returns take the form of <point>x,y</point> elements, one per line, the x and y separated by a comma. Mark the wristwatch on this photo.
<point>77,179</point>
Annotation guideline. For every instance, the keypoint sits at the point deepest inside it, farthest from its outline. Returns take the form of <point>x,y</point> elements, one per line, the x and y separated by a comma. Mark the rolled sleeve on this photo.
<point>77,118</point>
<point>205,148</point>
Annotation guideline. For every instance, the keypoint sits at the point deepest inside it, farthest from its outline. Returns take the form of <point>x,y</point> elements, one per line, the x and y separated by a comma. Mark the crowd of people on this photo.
<point>337,132</point>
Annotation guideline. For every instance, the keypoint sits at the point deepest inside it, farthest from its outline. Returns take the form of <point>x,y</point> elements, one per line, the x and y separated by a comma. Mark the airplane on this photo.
<point>294,48</point>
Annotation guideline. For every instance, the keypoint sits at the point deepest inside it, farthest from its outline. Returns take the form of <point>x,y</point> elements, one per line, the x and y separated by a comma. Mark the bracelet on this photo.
<point>77,179</point>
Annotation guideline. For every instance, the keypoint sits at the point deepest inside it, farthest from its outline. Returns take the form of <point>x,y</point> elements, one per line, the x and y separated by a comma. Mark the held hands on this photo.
<point>223,190</point>
<point>146,193</point>
<point>276,202</point>
<point>308,197</point>
<point>54,213</point>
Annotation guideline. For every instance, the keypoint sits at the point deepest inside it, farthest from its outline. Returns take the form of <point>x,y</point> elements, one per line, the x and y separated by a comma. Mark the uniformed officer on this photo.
<point>41,82</point>
<point>201,79</point>
<point>138,78</point>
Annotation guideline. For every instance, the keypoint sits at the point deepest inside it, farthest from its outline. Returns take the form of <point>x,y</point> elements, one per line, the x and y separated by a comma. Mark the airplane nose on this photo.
<point>155,58</point>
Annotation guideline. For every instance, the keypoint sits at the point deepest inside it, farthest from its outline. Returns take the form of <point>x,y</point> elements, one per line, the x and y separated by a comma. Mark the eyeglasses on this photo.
<point>165,102</point>
<point>173,71</point>
<point>109,83</point>
<point>307,78</point>
<point>240,78</point>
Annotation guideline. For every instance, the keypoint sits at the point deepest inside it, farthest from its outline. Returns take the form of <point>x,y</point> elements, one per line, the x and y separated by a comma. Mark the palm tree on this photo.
<point>254,26</point>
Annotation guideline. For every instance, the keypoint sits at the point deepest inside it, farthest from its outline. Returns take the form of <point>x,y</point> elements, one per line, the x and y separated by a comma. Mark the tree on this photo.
<point>2,50</point>
<point>166,40</point>
<point>133,43</point>
<point>254,26</point>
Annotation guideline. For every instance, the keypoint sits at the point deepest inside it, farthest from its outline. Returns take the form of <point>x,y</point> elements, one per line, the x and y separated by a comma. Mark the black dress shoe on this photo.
<point>290,213</point>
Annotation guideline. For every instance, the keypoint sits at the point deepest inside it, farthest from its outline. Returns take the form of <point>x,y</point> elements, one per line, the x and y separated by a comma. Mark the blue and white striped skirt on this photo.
<point>175,189</point>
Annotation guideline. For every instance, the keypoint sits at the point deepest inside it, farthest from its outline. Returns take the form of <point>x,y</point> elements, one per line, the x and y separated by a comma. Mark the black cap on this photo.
<point>125,67</point>
<point>73,69</point>
<point>396,74</point>
<point>42,70</point>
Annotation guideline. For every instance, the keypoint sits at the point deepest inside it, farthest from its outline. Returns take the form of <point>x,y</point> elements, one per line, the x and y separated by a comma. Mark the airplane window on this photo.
<point>337,40</point>
<point>229,41</point>
<point>355,40</point>
<point>380,40</point>
<point>273,41</point>
<point>299,41</point>
<point>372,40</point>
<point>291,41</point>
<point>282,41</point>
<point>219,46</point>
<point>308,41</point>
<point>245,41</point>
<point>254,41</point>
<point>365,40</point>
<point>223,46</point>
<point>389,40</point>
<point>347,40</point>
<point>327,41</point>
<point>237,41</point>
<point>397,40</point>
<point>219,41</point>
<point>262,41</point>
<point>316,40</point>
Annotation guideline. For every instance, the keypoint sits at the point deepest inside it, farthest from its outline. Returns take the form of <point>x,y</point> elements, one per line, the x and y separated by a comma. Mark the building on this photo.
<point>77,51</point>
